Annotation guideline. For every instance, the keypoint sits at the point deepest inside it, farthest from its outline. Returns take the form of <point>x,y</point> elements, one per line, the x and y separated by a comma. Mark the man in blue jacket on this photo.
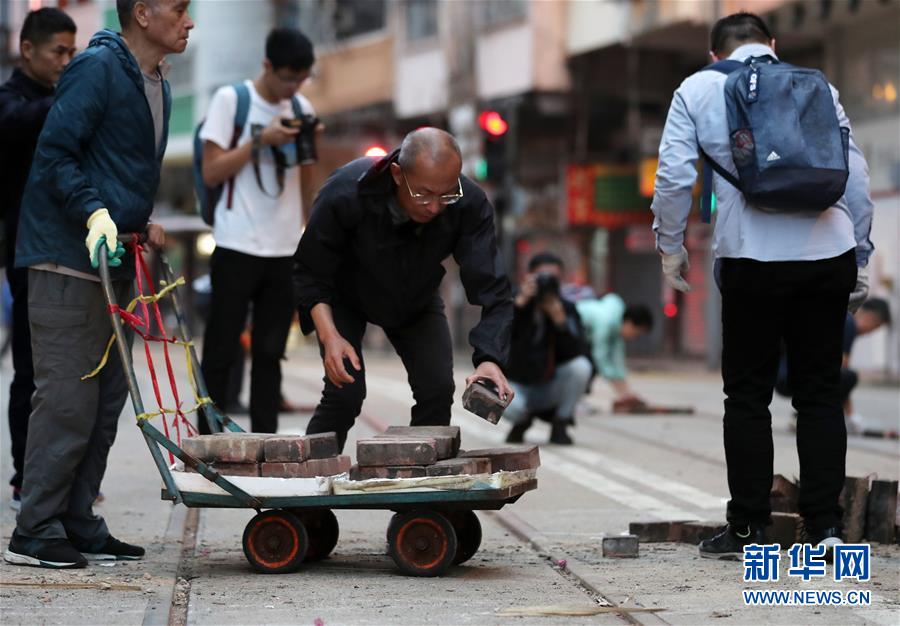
<point>47,44</point>
<point>95,174</point>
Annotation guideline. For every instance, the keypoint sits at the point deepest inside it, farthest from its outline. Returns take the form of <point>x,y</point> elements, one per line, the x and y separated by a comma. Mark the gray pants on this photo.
<point>561,392</point>
<point>73,422</point>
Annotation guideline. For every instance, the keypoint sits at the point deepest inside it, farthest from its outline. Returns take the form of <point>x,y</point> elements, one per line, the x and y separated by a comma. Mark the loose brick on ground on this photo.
<point>784,495</point>
<point>393,471</point>
<point>322,445</point>
<point>456,467</point>
<point>508,459</point>
<point>227,447</point>
<point>447,437</point>
<point>695,532</point>
<point>288,449</point>
<point>881,511</point>
<point>656,531</point>
<point>785,529</point>
<point>620,546</point>
<point>310,468</point>
<point>854,501</point>
<point>382,452</point>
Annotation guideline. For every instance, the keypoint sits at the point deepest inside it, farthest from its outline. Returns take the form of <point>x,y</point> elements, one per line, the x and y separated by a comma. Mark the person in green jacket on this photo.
<point>608,324</point>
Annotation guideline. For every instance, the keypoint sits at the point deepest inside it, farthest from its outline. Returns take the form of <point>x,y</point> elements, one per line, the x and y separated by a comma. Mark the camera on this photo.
<point>547,285</point>
<point>306,138</point>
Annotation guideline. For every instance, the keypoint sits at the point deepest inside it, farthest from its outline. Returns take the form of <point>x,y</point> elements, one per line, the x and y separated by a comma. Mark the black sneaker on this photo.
<point>558,434</point>
<point>829,537</point>
<point>517,434</point>
<point>52,553</point>
<point>729,544</point>
<point>113,550</point>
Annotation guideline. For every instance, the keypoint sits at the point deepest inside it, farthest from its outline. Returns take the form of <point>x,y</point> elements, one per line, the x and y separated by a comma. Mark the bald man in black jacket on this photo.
<point>373,253</point>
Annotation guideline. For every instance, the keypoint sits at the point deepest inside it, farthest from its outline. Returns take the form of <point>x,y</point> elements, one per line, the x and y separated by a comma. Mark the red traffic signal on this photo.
<point>376,152</point>
<point>492,123</point>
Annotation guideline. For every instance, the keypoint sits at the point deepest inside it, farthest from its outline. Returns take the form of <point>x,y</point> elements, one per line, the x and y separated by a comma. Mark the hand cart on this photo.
<point>429,532</point>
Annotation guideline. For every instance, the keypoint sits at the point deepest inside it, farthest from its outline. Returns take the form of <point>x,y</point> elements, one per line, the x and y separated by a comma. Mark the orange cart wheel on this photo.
<point>275,542</point>
<point>422,543</point>
<point>323,530</point>
<point>468,534</point>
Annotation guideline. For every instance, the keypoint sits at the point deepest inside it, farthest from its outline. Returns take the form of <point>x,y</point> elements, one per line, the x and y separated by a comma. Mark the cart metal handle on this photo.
<point>152,436</point>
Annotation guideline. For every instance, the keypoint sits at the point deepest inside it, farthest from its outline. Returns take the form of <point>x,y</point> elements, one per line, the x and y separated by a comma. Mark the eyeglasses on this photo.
<point>424,199</point>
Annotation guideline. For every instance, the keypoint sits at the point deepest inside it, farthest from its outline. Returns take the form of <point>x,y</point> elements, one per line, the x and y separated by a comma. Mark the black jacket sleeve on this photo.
<point>320,252</point>
<point>570,338</point>
<point>486,284</point>
<point>21,118</point>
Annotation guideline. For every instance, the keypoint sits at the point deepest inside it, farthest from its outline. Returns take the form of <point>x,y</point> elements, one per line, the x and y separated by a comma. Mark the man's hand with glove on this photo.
<point>673,265</point>
<point>861,291</point>
<point>101,228</point>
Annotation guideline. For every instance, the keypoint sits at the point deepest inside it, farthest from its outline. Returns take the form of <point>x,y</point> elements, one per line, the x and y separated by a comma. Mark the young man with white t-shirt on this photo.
<point>258,222</point>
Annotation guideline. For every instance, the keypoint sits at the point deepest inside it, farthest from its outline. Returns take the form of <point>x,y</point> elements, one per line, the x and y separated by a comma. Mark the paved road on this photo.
<point>622,469</point>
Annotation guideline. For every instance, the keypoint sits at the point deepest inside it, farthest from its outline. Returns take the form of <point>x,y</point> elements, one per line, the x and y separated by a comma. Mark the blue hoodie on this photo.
<point>97,150</point>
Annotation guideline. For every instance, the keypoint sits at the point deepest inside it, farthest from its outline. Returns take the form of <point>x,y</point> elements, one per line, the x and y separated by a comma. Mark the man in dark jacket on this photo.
<point>95,174</point>
<point>372,253</point>
<point>548,363</point>
<point>46,45</point>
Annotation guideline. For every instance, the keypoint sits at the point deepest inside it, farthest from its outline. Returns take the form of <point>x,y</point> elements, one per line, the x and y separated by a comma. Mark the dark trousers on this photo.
<point>239,280</point>
<point>74,421</point>
<point>22,387</point>
<point>426,350</point>
<point>802,303</point>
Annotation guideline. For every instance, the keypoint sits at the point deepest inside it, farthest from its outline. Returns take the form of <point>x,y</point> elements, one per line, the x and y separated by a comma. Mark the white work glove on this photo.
<point>861,291</point>
<point>101,228</point>
<point>673,265</point>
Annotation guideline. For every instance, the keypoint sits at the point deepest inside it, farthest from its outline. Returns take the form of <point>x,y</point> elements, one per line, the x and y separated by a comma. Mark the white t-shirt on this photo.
<point>256,223</point>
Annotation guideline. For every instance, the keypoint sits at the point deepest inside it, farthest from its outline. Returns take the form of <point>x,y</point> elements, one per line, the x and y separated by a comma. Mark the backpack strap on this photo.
<point>298,108</point>
<point>241,113</point>
<point>707,200</point>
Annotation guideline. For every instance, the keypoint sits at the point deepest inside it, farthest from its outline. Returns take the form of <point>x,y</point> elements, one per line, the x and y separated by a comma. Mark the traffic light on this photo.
<point>493,167</point>
<point>493,123</point>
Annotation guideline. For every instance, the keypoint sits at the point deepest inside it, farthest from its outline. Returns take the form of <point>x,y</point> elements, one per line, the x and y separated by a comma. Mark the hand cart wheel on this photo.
<point>422,543</point>
<point>275,542</point>
<point>468,534</point>
<point>323,530</point>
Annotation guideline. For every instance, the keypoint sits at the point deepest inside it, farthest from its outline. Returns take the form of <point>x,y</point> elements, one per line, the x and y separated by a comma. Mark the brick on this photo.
<point>322,446</point>
<point>394,471</point>
<point>622,546</point>
<point>854,500</point>
<point>656,531</point>
<point>483,401</point>
<point>292,449</point>
<point>695,532</point>
<point>307,469</point>
<point>508,459</point>
<point>784,496</point>
<point>881,511</point>
<point>786,529</point>
<point>231,469</point>
<point>381,452</point>
<point>447,437</point>
<point>227,447</point>
<point>456,467</point>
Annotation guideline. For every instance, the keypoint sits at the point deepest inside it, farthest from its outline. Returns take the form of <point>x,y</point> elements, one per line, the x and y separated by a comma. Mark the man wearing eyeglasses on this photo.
<point>373,253</point>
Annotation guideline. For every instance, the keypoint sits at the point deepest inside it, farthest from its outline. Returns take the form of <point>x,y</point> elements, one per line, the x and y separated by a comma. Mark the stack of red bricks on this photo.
<point>281,456</point>
<point>419,451</point>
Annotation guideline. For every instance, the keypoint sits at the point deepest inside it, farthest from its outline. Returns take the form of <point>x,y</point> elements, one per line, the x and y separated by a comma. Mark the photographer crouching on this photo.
<point>548,367</point>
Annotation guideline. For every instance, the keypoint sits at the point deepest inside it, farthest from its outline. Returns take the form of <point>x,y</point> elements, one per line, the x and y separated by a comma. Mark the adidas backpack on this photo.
<point>790,152</point>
